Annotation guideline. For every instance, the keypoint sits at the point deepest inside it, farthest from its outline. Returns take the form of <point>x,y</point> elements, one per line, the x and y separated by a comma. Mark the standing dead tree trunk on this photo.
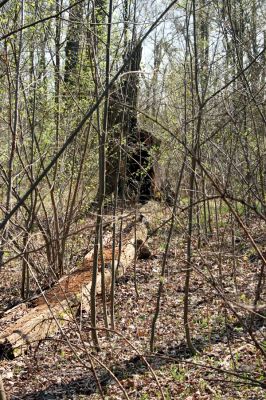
<point>72,41</point>
<point>133,170</point>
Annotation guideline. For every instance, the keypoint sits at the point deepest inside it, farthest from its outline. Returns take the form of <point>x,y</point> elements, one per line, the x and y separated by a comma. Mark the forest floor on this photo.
<point>227,366</point>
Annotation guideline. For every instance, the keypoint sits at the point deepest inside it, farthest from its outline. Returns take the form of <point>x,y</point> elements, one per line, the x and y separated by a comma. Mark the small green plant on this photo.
<point>204,323</point>
<point>62,353</point>
<point>167,395</point>
<point>17,369</point>
<point>234,363</point>
<point>243,298</point>
<point>178,374</point>
<point>202,385</point>
<point>217,396</point>
<point>162,246</point>
<point>144,396</point>
<point>218,320</point>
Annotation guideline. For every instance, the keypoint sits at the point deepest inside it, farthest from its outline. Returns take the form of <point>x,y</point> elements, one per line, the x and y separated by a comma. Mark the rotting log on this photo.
<point>43,316</point>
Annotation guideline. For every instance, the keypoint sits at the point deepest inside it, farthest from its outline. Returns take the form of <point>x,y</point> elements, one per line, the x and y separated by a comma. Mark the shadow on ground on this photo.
<point>86,384</point>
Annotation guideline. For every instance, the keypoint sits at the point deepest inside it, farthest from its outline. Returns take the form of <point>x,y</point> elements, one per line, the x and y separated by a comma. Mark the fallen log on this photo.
<point>43,316</point>
<point>46,314</point>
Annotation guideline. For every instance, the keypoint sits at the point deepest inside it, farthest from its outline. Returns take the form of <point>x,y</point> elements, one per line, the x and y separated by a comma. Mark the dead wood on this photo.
<point>44,315</point>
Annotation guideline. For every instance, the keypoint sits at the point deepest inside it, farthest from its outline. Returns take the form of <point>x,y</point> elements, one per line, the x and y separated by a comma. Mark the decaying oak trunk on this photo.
<point>46,314</point>
<point>130,164</point>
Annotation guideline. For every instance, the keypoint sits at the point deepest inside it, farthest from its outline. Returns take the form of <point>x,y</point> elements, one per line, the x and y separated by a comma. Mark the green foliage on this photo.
<point>145,396</point>
<point>178,374</point>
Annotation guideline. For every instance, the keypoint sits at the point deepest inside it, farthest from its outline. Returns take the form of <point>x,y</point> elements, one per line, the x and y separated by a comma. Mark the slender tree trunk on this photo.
<point>2,390</point>
<point>14,128</point>
<point>101,191</point>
